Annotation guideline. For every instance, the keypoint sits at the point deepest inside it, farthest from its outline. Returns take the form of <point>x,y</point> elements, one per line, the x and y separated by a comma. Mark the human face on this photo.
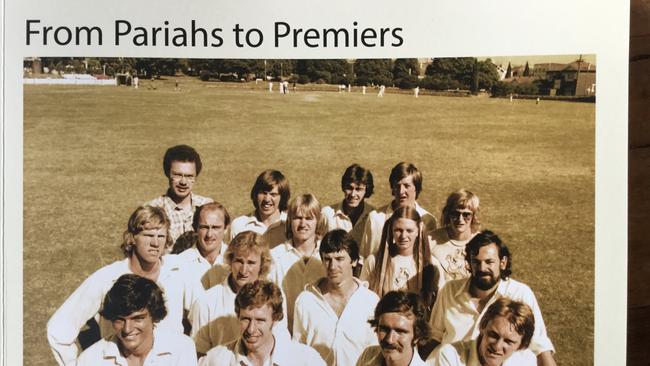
<point>135,331</point>
<point>210,231</point>
<point>355,193</point>
<point>338,266</point>
<point>395,332</point>
<point>268,203</point>
<point>182,175</point>
<point>255,327</point>
<point>486,267</point>
<point>498,341</point>
<point>404,192</point>
<point>303,227</point>
<point>150,243</point>
<point>461,220</point>
<point>245,268</point>
<point>405,233</point>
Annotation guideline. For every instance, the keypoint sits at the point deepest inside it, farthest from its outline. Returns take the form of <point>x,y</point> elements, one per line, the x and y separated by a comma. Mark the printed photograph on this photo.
<point>432,210</point>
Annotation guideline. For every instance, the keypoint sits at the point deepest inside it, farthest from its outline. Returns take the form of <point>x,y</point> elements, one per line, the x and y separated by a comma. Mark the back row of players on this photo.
<point>331,284</point>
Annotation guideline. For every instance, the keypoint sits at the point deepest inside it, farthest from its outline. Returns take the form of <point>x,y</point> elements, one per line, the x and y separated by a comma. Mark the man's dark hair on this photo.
<point>181,153</point>
<point>338,240</point>
<point>403,170</point>
<point>406,303</point>
<point>132,293</point>
<point>355,173</point>
<point>485,238</point>
<point>266,181</point>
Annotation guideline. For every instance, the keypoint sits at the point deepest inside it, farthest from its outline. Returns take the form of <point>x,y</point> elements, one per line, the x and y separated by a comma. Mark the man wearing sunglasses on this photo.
<point>182,165</point>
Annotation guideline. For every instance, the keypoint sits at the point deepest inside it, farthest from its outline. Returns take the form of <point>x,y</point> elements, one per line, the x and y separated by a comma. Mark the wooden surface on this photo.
<point>638,323</point>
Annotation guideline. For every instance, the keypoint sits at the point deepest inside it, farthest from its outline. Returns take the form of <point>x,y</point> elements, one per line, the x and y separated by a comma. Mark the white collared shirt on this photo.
<point>376,220</point>
<point>455,316</point>
<point>292,274</point>
<point>214,320</point>
<point>465,353</point>
<point>209,275</point>
<point>169,349</point>
<point>285,353</point>
<point>337,219</point>
<point>86,301</point>
<point>372,356</point>
<point>339,340</point>
<point>274,234</point>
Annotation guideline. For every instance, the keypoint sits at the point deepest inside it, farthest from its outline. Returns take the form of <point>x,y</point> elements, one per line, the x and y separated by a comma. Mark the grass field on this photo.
<point>93,154</point>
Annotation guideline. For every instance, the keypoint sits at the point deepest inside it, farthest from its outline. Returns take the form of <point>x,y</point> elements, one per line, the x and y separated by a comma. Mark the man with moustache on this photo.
<point>400,323</point>
<point>214,321</point>
<point>405,184</point>
<point>182,166</point>
<point>205,262</point>
<point>351,214</point>
<point>506,328</point>
<point>270,195</point>
<point>461,304</point>
<point>332,313</point>
<point>134,306</point>
<point>258,307</point>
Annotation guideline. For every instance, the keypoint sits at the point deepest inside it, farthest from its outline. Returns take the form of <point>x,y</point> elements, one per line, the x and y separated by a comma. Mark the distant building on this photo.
<point>577,78</point>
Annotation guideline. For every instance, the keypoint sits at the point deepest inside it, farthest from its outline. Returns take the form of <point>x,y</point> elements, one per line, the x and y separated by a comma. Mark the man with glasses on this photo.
<point>461,304</point>
<point>182,165</point>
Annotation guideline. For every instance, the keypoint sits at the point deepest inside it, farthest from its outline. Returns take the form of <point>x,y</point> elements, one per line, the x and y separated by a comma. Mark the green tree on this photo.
<point>509,71</point>
<point>328,71</point>
<point>373,71</point>
<point>405,72</point>
<point>526,70</point>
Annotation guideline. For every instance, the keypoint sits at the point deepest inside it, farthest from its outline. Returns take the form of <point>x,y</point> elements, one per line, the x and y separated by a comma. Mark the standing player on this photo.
<point>460,222</point>
<point>296,262</point>
<point>258,306</point>
<point>144,243</point>
<point>351,214</point>
<point>182,166</point>
<point>270,195</point>
<point>205,261</point>
<point>403,261</point>
<point>134,306</point>
<point>406,184</point>
<point>213,316</point>
<point>332,314</point>
<point>400,323</point>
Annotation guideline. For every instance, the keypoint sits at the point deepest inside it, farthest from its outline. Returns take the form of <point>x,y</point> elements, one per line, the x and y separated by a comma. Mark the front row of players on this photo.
<point>329,315</point>
<point>135,305</point>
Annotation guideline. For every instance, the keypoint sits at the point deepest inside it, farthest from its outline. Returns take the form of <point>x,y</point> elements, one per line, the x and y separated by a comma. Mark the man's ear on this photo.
<point>503,263</point>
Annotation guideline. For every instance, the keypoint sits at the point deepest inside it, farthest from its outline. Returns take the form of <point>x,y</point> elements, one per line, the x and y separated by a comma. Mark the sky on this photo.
<point>532,60</point>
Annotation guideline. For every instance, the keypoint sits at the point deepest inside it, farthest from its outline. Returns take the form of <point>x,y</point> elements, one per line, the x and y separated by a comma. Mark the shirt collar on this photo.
<point>280,355</point>
<point>170,202</point>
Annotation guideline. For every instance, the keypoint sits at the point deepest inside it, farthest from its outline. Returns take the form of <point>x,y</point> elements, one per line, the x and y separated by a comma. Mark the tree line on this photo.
<point>451,73</point>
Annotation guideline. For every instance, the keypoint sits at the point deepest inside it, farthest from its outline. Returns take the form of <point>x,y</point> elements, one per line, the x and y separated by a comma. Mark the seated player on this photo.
<point>296,262</point>
<point>270,195</point>
<point>400,323</point>
<point>145,240</point>
<point>351,214</point>
<point>134,306</point>
<point>403,261</point>
<point>460,222</point>
<point>332,314</point>
<point>406,184</point>
<point>506,327</point>
<point>214,321</point>
<point>182,166</point>
<point>204,261</point>
<point>258,306</point>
